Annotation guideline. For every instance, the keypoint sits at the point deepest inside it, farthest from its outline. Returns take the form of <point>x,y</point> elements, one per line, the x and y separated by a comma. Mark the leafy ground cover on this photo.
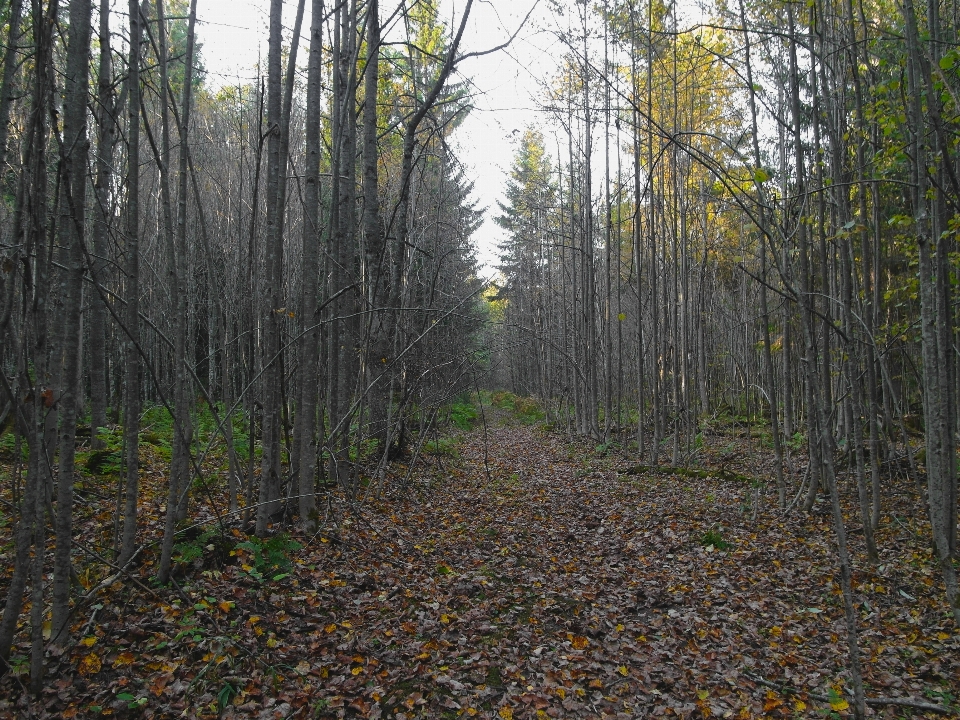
<point>525,577</point>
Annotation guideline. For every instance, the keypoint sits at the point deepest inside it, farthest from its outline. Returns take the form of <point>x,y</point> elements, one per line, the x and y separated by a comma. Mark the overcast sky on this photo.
<point>234,36</point>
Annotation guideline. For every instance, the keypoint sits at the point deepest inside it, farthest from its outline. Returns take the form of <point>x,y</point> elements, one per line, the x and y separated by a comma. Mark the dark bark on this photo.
<point>73,173</point>
<point>98,351</point>
<point>131,356</point>
<point>310,306</point>
<point>269,497</point>
<point>179,476</point>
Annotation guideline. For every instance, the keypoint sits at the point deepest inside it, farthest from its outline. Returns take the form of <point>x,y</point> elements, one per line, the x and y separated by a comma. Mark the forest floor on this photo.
<point>520,575</point>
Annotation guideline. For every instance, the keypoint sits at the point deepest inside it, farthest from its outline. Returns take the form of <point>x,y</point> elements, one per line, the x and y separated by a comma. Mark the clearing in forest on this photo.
<point>520,575</point>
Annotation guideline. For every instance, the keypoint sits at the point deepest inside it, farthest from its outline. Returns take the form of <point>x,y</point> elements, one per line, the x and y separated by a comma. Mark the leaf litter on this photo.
<point>532,577</point>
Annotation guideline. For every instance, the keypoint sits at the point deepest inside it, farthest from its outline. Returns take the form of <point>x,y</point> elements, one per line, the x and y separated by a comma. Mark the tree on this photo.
<point>527,218</point>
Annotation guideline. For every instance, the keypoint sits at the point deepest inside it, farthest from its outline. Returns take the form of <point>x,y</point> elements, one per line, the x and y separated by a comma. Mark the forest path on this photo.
<point>557,585</point>
<point>581,592</point>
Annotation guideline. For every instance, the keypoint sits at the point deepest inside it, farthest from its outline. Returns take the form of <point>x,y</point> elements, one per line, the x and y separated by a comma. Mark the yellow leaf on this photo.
<point>620,627</point>
<point>799,706</point>
<point>225,605</point>
<point>596,683</point>
<point>445,619</point>
<point>562,693</point>
<point>254,619</point>
<point>772,701</point>
<point>330,628</point>
<point>90,664</point>
<point>623,670</point>
<point>124,658</point>
<point>839,704</point>
<point>357,670</point>
<point>579,642</point>
<point>346,624</point>
<point>272,642</point>
<point>943,636</point>
<point>703,694</point>
<point>89,640</point>
<point>423,656</point>
<point>621,317</point>
<point>506,712</point>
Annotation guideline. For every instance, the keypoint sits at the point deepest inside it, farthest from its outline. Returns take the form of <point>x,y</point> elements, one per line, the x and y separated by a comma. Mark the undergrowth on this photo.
<point>526,410</point>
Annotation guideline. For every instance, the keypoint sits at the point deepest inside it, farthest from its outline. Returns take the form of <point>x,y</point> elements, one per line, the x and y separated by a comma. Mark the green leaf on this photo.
<point>836,700</point>
<point>126,697</point>
<point>760,176</point>
<point>948,61</point>
<point>226,694</point>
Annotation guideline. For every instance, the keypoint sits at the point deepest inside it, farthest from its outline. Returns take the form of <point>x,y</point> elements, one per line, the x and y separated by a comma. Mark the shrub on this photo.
<point>713,537</point>
<point>270,556</point>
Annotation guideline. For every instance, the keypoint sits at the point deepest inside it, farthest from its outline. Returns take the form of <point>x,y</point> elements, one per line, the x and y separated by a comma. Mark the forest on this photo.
<point>271,446</point>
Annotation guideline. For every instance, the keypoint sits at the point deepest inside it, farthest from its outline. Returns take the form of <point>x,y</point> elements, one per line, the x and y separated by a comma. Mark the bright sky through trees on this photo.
<point>233,37</point>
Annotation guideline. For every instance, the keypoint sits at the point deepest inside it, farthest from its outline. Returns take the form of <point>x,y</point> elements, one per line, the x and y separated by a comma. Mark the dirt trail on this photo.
<point>559,587</point>
<point>554,587</point>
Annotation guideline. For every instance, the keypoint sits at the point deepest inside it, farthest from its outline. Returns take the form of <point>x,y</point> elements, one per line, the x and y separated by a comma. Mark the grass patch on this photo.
<point>463,413</point>
<point>525,409</point>
<point>446,446</point>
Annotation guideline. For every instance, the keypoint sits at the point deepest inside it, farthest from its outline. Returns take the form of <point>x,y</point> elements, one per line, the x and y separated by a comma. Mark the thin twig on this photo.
<point>876,702</point>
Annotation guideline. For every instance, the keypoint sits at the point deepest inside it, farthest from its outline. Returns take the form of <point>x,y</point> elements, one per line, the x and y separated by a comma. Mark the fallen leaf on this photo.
<point>89,664</point>
<point>124,658</point>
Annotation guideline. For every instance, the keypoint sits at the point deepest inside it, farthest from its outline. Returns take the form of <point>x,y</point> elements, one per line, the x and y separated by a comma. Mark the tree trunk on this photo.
<point>106,139</point>
<point>180,464</point>
<point>35,352</point>
<point>310,312</point>
<point>131,390</point>
<point>269,499</point>
<point>820,404</point>
<point>73,159</point>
